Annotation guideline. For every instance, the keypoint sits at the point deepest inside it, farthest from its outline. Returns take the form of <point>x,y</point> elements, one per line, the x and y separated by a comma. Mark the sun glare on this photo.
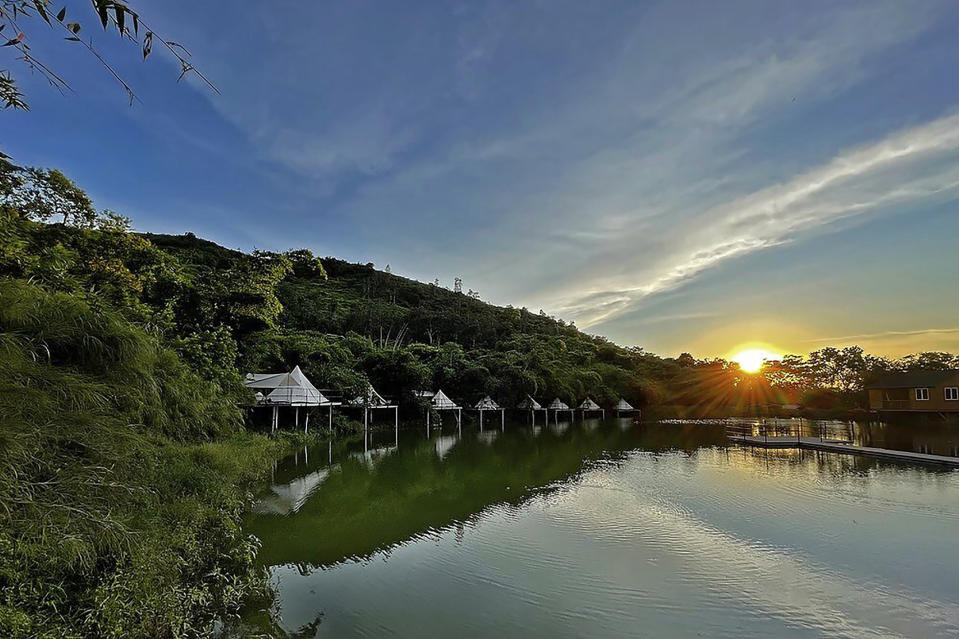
<point>751,359</point>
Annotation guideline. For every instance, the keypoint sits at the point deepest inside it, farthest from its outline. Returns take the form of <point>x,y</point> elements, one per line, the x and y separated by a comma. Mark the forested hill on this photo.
<point>346,322</point>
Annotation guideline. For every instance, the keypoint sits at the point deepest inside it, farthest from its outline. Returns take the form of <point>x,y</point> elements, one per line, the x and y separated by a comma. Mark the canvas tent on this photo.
<point>531,405</point>
<point>287,389</point>
<point>558,406</point>
<point>371,400</point>
<point>622,406</point>
<point>589,405</point>
<point>439,402</point>
<point>486,404</point>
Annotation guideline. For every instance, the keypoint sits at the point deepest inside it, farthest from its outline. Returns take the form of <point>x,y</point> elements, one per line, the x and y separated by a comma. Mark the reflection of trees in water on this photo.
<point>428,485</point>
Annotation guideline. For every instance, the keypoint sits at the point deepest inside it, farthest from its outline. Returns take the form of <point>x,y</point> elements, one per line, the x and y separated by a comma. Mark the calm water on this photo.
<point>607,529</point>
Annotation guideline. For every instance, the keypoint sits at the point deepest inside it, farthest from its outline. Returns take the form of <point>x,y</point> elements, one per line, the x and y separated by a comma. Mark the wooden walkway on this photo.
<point>846,448</point>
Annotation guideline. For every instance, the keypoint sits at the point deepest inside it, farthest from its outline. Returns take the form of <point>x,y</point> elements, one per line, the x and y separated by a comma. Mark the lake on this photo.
<point>608,529</point>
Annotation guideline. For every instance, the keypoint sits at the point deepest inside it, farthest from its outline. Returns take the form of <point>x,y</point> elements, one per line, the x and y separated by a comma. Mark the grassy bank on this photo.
<point>122,479</point>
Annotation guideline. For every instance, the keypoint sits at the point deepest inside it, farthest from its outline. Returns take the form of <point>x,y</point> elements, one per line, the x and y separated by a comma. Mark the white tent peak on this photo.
<point>623,405</point>
<point>558,404</point>
<point>487,403</point>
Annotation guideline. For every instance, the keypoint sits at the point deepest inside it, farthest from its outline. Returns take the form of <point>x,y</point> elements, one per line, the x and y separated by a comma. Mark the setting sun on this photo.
<point>751,359</point>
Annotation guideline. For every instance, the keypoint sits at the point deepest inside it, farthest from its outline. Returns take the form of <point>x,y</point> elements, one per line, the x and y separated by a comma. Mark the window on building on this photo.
<point>952,394</point>
<point>922,394</point>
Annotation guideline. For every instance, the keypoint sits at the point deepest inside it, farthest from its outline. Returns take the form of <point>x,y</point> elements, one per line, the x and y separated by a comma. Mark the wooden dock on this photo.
<point>845,448</point>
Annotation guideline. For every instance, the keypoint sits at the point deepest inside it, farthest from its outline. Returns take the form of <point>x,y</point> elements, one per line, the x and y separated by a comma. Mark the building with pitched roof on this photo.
<point>921,391</point>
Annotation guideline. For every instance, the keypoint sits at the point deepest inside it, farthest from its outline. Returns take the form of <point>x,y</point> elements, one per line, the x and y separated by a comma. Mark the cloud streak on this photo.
<point>904,169</point>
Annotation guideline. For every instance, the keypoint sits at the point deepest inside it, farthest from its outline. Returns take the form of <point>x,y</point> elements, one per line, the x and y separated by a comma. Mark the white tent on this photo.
<point>287,389</point>
<point>370,399</point>
<point>487,403</point>
<point>558,406</point>
<point>622,406</point>
<point>264,380</point>
<point>529,404</point>
<point>441,402</point>
<point>589,404</point>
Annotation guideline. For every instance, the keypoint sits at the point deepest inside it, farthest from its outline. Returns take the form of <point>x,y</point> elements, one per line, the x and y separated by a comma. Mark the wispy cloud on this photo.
<point>904,169</point>
<point>922,332</point>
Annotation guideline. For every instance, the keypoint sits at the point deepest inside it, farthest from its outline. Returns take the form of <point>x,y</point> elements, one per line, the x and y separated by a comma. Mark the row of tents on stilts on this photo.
<point>294,391</point>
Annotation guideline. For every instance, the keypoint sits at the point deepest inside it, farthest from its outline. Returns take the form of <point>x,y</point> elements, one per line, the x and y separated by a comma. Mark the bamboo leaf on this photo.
<point>41,10</point>
<point>62,14</point>
<point>102,10</point>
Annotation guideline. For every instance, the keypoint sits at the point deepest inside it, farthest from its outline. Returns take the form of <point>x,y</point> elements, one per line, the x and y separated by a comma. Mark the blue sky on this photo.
<point>677,175</point>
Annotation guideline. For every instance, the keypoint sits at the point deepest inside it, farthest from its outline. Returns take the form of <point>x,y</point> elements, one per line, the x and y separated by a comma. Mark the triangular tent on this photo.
<point>487,403</point>
<point>557,404</point>
<point>370,399</point>
<point>440,401</point>
<point>529,404</point>
<point>589,404</point>
<point>623,405</point>
<point>294,389</point>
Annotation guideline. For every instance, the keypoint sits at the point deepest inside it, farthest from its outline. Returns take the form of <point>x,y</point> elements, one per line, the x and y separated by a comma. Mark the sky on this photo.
<point>681,176</point>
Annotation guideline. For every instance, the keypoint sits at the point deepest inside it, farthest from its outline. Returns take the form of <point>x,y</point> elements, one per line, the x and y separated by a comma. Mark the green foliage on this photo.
<point>115,522</point>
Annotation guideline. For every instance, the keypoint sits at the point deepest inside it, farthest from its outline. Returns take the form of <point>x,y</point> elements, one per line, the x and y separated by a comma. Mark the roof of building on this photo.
<point>914,379</point>
<point>589,404</point>
<point>622,404</point>
<point>529,404</point>
<point>440,400</point>
<point>487,403</point>
<point>558,404</point>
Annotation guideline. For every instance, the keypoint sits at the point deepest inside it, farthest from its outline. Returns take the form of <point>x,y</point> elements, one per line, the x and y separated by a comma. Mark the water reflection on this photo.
<point>617,521</point>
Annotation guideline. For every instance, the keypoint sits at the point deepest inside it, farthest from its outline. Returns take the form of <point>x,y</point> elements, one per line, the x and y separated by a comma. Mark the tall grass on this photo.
<point>118,515</point>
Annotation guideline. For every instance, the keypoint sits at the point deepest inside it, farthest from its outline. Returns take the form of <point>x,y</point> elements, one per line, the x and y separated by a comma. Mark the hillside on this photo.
<point>351,321</point>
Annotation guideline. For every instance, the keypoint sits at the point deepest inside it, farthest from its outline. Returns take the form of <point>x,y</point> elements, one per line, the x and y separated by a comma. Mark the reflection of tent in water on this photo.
<point>487,437</point>
<point>531,406</point>
<point>289,498</point>
<point>590,406</point>
<point>622,406</point>
<point>287,389</point>
<point>370,455</point>
<point>559,427</point>
<point>444,444</point>
<point>486,404</point>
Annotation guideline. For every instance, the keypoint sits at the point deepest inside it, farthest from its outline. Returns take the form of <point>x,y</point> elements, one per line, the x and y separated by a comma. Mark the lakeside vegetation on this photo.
<point>125,456</point>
